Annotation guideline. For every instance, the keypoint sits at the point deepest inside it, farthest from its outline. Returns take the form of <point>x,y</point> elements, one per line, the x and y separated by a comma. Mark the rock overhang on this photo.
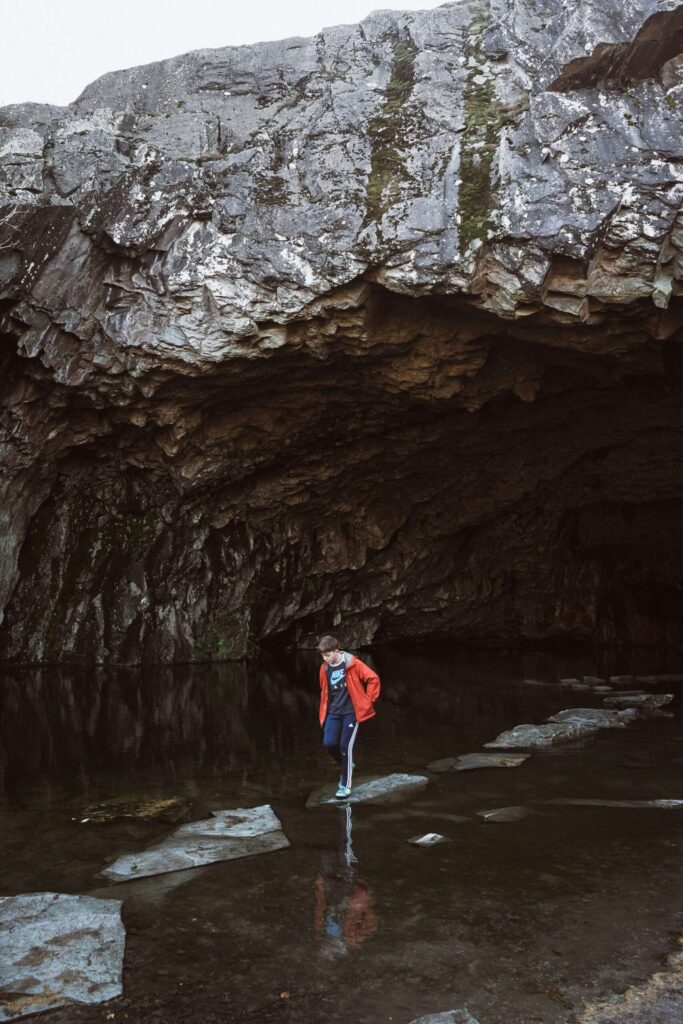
<point>208,250</point>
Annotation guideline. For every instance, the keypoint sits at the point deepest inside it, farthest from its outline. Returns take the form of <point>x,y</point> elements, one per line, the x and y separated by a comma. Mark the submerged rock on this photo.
<point>505,814</point>
<point>470,762</point>
<point>228,835</point>
<point>58,949</point>
<point>172,809</point>
<point>383,789</point>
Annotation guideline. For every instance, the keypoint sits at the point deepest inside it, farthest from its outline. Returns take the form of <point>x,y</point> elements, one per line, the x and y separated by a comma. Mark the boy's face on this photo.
<point>331,657</point>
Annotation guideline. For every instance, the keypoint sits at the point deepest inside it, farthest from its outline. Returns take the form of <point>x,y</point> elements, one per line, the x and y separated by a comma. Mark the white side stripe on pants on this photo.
<point>350,756</point>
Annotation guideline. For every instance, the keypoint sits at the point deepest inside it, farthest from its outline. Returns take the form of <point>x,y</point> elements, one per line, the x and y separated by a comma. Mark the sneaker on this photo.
<point>343,793</point>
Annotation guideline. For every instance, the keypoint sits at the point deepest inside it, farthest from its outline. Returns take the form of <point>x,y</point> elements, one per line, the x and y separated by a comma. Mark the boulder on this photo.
<point>58,949</point>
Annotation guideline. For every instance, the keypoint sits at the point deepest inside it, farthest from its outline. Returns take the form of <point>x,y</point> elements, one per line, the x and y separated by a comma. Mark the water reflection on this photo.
<point>345,914</point>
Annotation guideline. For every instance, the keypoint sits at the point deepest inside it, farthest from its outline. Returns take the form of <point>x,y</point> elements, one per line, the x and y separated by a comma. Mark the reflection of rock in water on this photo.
<point>57,719</point>
<point>344,903</point>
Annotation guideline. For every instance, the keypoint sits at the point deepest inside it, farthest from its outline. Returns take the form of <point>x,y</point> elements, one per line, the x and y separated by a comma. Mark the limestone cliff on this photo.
<point>380,328</point>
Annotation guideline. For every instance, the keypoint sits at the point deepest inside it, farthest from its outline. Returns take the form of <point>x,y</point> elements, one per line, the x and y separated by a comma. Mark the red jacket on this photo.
<point>362,685</point>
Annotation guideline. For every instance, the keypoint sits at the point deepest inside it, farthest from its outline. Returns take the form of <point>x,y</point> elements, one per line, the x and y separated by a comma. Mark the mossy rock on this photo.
<point>172,810</point>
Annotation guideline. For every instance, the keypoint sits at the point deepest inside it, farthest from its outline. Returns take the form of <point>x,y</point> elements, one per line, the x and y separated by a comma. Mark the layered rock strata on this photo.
<point>379,330</point>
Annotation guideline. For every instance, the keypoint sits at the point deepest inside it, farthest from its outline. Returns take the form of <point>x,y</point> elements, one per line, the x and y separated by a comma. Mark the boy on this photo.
<point>348,689</point>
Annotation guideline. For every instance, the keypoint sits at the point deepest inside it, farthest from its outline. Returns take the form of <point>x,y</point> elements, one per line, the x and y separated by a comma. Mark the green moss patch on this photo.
<point>387,130</point>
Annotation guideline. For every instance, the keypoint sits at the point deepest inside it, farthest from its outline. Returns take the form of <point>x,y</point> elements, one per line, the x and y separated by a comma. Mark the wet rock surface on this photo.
<point>57,950</point>
<point>381,789</point>
<point>227,836</point>
<point>640,701</point>
<point>471,762</point>
<point>540,736</point>
<point>469,241</point>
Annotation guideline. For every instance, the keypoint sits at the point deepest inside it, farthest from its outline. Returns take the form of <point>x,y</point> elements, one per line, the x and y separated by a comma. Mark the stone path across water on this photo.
<point>381,789</point>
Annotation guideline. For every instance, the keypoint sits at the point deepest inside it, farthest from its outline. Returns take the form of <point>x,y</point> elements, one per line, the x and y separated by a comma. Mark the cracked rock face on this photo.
<point>379,330</point>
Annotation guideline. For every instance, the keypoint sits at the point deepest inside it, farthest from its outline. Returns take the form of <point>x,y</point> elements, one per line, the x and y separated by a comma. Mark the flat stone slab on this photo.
<point>382,789</point>
<point>666,805</point>
<point>243,823</point>
<point>58,949</point>
<point>227,835</point>
<point>598,718</point>
<point>470,762</point>
<point>505,814</point>
<point>640,701</point>
<point>537,737</point>
<point>429,839</point>
<point>447,1017</point>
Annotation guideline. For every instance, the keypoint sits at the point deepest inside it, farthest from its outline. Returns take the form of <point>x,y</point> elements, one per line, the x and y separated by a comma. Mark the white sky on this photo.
<point>52,49</point>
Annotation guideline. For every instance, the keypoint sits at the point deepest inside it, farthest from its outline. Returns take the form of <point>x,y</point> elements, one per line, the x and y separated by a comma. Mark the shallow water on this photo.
<point>521,922</point>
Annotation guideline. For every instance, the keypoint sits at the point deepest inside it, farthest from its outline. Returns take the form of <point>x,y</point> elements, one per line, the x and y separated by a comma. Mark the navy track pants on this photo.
<point>339,735</point>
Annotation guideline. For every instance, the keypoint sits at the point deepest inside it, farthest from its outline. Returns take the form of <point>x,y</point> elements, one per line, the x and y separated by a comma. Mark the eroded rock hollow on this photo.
<point>380,329</point>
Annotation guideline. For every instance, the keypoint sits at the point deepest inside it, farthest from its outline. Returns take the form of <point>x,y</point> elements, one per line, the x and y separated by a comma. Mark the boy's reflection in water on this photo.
<point>344,904</point>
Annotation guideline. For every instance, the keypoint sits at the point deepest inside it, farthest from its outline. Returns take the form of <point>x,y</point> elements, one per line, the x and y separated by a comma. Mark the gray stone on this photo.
<point>535,737</point>
<point>639,701</point>
<point>379,789</point>
<point>594,680</point>
<point>57,950</point>
<point>229,835</point>
<point>429,839</point>
<point>469,762</point>
<point>505,814</point>
<point>599,718</point>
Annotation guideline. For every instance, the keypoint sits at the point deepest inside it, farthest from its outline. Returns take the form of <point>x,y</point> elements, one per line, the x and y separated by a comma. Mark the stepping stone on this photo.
<point>381,789</point>
<point>640,701</point>
<point>598,718</point>
<point>227,835</point>
<point>447,1017</point>
<point>671,678</point>
<point>538,737</point>
<point>469,762</point>
<point>57,950</point>
<point>505,814</point>
<point>602,689</point>
<point>622,680</point>
<point>429,839</point>
<point>660,804</point>
<point>594,680</point>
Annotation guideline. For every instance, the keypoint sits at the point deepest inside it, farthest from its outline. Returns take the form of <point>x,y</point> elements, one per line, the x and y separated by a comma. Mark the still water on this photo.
<point>520,922</point>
